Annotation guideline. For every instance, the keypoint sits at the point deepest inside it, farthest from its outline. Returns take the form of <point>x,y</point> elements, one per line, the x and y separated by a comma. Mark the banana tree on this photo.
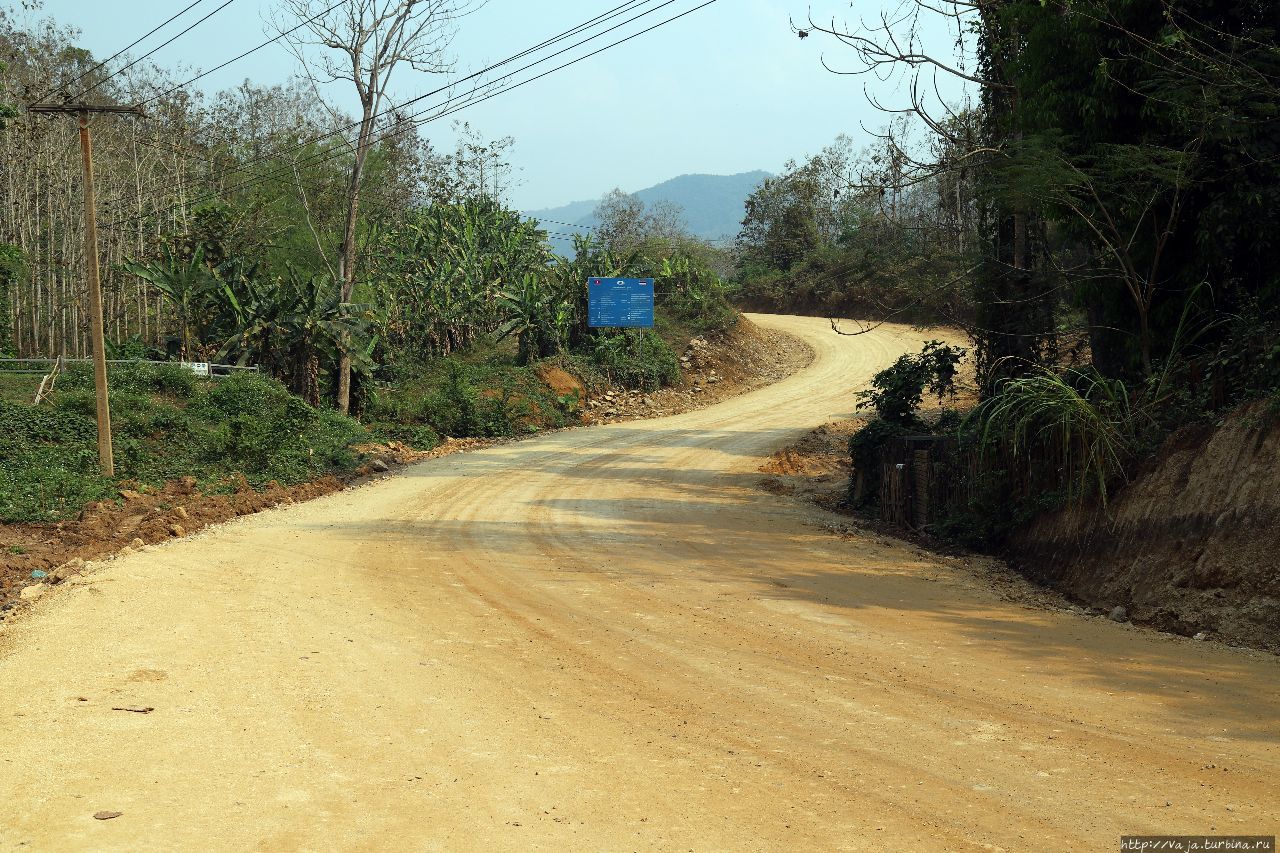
<point>320,324</point>
<point>537,315</point>
<point>292,325</point>
<point>441,272</point>
<point>185,284</point>
<point>569,279</point>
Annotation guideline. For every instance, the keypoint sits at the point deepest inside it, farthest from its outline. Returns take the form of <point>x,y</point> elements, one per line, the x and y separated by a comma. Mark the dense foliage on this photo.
<point>1118,186</point>
<point>847,234</point>
<point>227,235</point>
<point>166,425</point>
<point>895,396</point>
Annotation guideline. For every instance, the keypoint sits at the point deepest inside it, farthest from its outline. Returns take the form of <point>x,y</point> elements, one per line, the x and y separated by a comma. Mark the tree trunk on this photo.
<point>347,259</point>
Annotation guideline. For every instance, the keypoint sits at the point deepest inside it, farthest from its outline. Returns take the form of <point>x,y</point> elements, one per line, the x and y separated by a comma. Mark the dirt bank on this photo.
<point>1191,546</point>
<point>714,367</point>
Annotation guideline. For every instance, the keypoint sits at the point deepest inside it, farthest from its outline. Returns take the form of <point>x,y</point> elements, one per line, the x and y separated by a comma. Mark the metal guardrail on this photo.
<point>204,369</point>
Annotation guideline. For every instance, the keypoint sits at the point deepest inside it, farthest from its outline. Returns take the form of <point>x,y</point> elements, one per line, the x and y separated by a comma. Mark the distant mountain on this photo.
<point>573,213</point>
<point>713,204</point>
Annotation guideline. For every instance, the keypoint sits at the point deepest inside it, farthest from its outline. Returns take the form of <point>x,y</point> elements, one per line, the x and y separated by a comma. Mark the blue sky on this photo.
<point>726,89</point>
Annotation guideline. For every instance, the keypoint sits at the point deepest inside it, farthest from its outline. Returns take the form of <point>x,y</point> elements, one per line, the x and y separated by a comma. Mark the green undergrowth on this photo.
<point>166,423</point>
<point>487,393</point>
<point>637,359</point>
<point>480,394</point>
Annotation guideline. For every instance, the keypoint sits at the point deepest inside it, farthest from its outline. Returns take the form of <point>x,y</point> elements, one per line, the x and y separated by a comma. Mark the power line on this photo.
<point>474,99</point>
<point>117,54</point>
<point>151,52</point>
<point>617,11</point>
<point>409,121</point>
<point>558,222</point>
<point>603,17</point>
<point>253,50</point>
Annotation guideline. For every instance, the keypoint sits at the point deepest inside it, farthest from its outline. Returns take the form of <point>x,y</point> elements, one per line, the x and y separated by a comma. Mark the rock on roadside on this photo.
<point>31,593</point>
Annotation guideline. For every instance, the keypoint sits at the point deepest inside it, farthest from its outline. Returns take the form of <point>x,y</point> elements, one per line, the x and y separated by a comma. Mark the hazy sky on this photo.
<point>729,88</point>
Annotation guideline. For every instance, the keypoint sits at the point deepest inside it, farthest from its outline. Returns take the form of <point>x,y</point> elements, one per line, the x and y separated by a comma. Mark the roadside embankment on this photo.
<point>1191,546</point>
<point>37,555</point>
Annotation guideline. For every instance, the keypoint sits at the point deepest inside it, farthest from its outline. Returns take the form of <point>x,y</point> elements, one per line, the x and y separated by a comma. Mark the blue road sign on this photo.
<point>620,302</point>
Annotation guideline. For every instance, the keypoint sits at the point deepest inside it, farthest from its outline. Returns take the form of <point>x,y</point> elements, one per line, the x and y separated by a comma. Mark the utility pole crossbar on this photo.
<point>84,108</point>
<point>83,111</point>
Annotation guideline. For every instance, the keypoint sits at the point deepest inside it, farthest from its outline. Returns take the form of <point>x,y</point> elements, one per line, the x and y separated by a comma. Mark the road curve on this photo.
<point>609,639</point>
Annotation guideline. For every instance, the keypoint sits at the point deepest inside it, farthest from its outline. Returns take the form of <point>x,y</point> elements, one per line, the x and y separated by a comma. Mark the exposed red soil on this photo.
<point>143,516</point>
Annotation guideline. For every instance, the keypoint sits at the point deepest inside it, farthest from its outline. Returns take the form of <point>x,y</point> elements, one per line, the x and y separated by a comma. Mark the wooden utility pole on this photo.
<point>105,458</point>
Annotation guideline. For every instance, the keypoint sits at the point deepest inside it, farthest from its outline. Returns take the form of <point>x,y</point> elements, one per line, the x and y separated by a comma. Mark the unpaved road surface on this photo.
<point>608,639</point>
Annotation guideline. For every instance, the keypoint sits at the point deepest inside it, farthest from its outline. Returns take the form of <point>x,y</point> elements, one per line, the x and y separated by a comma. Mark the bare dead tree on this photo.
<point>890,45</point>
<point>363,42</point>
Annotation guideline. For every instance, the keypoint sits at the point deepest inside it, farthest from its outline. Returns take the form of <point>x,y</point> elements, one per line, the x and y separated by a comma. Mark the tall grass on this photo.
<point>1079,422</point>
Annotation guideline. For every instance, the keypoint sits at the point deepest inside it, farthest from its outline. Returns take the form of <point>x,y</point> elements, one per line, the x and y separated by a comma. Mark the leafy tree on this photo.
<point>694,292</point>
<point>897,391</point>
<point>537,314</point>
<point>441,269</point>
<point>1150,143</point>
<point>7,111</point>
<point>10,265</point>
<point>896,394</point>
<point>294,325</point>
<point>371,38</point>
<point>627,224</point>
<point>477,168</point>
<point>781,224</point>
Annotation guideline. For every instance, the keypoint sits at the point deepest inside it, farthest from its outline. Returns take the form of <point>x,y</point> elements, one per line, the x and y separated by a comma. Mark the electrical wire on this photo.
<point>412,121</point>
<point>395,110</point>
<point>616,11</point>
<point>151,52</point>
<point>118,53</point>
<point>294,29</point>
<point>558,222</point>
<point>248,52</point>
<point>603,17</point>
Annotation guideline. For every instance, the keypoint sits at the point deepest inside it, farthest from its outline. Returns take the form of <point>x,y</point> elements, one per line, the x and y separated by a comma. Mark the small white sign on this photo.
<point>199,368</point>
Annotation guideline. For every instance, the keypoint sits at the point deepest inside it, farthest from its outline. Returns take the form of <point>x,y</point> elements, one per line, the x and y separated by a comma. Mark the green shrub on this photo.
<point>245,424</point>
<point>23,426</point>
<point>451,409</point>
<point>645,361</point>
<point>897,391</point>
<point>990,512</point>
<point>138,377</point>
<point>266,433</point>
<point>1078,425</point>
<point>417,436</point>
<point>48,462</point>
<point>693,294</point>
<point>44,487</point>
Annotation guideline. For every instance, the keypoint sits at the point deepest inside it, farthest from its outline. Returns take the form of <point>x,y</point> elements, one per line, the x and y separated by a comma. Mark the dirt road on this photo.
<point>609,639</point>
